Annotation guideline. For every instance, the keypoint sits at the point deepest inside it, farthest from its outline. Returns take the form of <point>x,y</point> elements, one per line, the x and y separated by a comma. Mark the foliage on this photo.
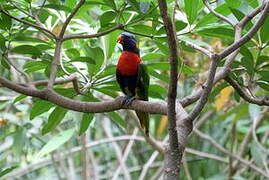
<point>31,129</point>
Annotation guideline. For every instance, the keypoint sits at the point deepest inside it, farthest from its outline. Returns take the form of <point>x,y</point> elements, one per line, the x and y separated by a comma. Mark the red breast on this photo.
<point>128,63</point>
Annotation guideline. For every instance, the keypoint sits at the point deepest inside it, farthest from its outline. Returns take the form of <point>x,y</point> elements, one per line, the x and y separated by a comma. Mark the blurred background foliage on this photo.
<point>39,140</point>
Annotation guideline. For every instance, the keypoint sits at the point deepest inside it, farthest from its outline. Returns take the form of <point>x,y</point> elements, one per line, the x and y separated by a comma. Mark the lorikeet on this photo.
<point>132,75</point>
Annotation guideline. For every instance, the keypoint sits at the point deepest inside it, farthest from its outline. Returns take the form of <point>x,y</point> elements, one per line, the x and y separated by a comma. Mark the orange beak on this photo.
<point>120,40</point>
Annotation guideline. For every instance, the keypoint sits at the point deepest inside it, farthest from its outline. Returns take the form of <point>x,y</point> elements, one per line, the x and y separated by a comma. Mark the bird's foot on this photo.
<point>127,100</point>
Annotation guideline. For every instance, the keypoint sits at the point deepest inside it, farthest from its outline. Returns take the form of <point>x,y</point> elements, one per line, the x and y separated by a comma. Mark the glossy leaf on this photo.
<point>85,122</point>
<point>55,118</point>
<point>7,170</point>
<point>56,142</point>
<point>27,49</point>
<point>192,8</point>
<point>40,107</point>
<point>117,119</point>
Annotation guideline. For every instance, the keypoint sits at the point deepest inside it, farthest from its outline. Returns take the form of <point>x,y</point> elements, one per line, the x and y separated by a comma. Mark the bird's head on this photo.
<point>128,41</point>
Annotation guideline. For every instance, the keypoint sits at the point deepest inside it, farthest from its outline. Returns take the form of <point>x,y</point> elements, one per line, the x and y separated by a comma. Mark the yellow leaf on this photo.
<point>3,122</point>
<point>162,125</point>
<point>223,98</point>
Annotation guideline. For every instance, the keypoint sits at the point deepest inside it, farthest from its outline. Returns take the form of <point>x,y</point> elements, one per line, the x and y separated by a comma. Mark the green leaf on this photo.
<point>55,118</point>
<point>264,31</point>
<point>26,49</point>
<point>110,43</point>
<point>248,64</point>
<point>33,66</point>
<point>117,119</point>
<point>162,47</point>
<point>257,154</point>
<point>253,3</point>
<point>98,55</point>
<point>2,42</point>
<point>261,60</point>
<point>233,3</point>
<point>264,75</point>
<point>213,31</point>
<point>153,56</point>
<point>159,65</point>
<point>210,18</point>
<point>142,28</point>
<point>7,170</point>
<point>4,62</point>
<point>187,70</point>
<point>110,3</point>
<point>192,8</point>
<point>158,75</point>
<point>134,4</point>
<point>72,53</point>
<point>157,91</point>
<point>84,59</point>
<point>56,142</point>
<point>246,52</point>
<point>39,107</point>
<point>85,122</point>
<point>263,84</point>
<point>254,111</point>
<point>107,18</point>
<point>107,91</point>
<point>5,22</point>
<point>58,7</point>
<point>19,98</point>
<point>180,25</point>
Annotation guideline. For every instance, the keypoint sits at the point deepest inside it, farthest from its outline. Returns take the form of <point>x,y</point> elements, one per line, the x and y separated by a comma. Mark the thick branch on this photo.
<point>173,154</point>
<point>91,107</point>
<point>208,86</point>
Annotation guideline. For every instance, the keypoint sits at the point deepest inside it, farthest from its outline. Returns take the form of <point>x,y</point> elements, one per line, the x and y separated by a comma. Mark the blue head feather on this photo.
<point>128,42</point>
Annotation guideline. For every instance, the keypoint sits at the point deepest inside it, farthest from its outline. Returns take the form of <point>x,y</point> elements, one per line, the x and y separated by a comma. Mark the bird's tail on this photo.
<point>144,120</point>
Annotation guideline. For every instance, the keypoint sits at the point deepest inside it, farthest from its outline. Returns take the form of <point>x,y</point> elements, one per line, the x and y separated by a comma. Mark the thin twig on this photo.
<point>220,16</point>
<point>72,14</point>
<point>245,95</point>
<point>119,26</point>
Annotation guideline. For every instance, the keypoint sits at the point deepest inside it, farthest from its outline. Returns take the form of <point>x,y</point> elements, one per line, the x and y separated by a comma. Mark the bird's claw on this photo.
<point>128,99</point>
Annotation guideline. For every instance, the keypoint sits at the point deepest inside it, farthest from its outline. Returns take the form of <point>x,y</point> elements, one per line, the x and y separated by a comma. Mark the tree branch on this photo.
<point>72,14</point>
<point>220,16</point>
<point>55,63</point>
<point>247,36</point>
<point>90,107</point>
<point>119,26</point>
<point>173,153</point>
<point>247,97</point>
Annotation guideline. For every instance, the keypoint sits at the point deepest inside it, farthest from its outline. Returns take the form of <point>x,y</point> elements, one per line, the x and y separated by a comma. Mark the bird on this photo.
<point>132,76</point>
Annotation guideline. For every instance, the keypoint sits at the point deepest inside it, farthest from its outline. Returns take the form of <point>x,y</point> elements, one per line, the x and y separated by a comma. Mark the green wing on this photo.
<point>142,87</point>
<point>142,84</point>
